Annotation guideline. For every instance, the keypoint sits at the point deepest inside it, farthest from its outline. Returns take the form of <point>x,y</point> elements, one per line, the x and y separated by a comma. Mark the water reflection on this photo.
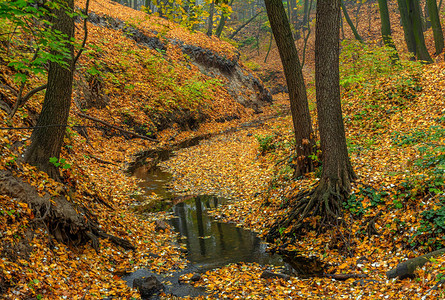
<point>213,244</point>
<point>154,180</point>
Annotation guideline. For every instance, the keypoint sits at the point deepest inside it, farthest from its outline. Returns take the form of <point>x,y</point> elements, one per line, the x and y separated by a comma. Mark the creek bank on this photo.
<point>241,84</point>
<point>151,157</point>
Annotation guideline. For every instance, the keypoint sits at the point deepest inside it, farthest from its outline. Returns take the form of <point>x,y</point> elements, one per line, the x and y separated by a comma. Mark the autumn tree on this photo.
<point>47,136</point>
<point>222,21</point>
<point>335,182</point>
<point>435,24</point>
<point>350,23</point>
<point>295,82</point>
<point>412,27</point>
<point>385,27</point>
<point>210,20</point>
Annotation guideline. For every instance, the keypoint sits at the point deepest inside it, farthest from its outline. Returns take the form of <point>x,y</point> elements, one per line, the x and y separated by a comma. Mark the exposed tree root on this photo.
<point>325,201</point>
<point>68,223</point>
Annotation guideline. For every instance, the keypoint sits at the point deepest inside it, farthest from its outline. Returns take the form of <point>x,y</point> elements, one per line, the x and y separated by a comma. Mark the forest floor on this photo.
<point>396,186</point>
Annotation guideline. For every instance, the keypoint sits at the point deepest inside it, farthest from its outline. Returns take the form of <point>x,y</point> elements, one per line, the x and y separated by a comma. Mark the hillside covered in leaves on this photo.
<point>144,86</point>
<point>141,82</point>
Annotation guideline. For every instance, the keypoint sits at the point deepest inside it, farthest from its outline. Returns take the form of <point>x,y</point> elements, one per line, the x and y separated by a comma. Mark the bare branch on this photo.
<point>115,127</point>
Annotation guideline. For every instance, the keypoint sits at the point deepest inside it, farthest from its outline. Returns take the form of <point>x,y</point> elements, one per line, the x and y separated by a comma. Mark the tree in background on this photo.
<point>225,13</point>
<point>412,27</point>
<point>386,27</point>
<point>435,24</point>
<point>47,137</point>
<point>295,82</point>
<point>210,20</point>
<point>348,19</point>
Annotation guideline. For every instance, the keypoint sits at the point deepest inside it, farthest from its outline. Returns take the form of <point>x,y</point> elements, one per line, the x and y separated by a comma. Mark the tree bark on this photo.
<point>46,142</point>
<point>337,174</point>
<point>210,23</point>
<point>295,82</point>
<point>348,19</point>
<point>437,27</point>
<point>407,26</point>
<point>306,11</point>
<point>335,183</point>
<point>416,20</point>
<point>386,27</point>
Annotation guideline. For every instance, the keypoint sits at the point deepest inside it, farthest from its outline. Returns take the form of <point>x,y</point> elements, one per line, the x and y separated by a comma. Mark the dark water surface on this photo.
<point>210,244</point>
<point>213,244</point>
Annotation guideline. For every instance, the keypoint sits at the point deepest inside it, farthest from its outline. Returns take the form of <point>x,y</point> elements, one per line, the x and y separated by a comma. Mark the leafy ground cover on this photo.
<point>126,85</point>
<point>395,136</point>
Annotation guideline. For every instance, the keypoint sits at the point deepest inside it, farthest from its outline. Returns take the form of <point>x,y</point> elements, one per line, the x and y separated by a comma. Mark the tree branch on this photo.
<point>245,24</point>
<point>115,127</point>
<point>85,30</point>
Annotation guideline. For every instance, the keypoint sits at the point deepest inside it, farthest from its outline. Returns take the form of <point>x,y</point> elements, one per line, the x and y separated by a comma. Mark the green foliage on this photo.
<point>30,45</point>
<point>371,69</point>
<point>266,143</point>
<point>62,163</point>
<point>252,65</point>
<point>428,183</point>
<point>248,41</point>
<point>366,194</point>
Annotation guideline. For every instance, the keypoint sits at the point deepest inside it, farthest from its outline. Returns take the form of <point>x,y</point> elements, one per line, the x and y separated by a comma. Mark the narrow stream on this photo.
<point>210,244</point>
<point>213,244</point>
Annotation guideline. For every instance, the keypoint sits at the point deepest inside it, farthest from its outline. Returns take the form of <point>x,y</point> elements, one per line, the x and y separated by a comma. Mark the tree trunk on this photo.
<point>335,184</point>
<point>348,19</point>
<point>435,23</point>
<point>416,20</point>
<point>337,174</point>
<point>47,137</point>
<point>222,22</point>
<point>295,82</point>
<point>407,26</point>
<point>386,27</point>
<point>210,24</point>
<point>306,11</point>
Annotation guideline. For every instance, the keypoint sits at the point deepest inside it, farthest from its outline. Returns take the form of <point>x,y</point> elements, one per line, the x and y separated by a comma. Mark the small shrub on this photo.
<point>266,143</point>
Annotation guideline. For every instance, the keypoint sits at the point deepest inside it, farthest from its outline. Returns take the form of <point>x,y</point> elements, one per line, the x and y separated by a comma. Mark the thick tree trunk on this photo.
<point>295,82</point>
<point>386,27</point>
<point>348,19</point>
<point>437,27</point>
<point>210,22</point>
<point>47,137</point>
<point>335,183</point>
<point>407,26</point>
<point>416,20</point>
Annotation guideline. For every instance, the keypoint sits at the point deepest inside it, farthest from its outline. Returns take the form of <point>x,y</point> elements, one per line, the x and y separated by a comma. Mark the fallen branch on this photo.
<point>115,127</point>
<point>342,277</point>
<point>371,225</point>
<point>407,268</point>
<point>101,160</point>
<point>9,88</point>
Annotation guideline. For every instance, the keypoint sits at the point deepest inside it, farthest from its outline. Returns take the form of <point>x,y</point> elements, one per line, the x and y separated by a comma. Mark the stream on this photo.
<point>210,243</point>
